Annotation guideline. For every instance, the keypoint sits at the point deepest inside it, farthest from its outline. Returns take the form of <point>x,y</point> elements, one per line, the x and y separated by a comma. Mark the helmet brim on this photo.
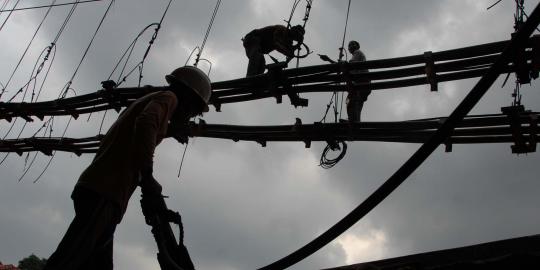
<point>173,80</point>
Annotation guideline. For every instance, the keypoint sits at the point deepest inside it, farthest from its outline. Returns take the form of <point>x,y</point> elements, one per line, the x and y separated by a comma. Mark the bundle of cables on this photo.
<point>327,163</point>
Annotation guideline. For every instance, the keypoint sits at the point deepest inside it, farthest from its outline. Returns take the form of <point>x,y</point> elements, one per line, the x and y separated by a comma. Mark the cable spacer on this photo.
<point>431,71</point>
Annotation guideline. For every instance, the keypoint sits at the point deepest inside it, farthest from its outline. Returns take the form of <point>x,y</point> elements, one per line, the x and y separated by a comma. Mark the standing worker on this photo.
<point>124,161</point>
<point>264,40</point>
<point>355,99</point>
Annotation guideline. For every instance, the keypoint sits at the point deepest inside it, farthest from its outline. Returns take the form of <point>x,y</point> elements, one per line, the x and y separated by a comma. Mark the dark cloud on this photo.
<point>243,205</point>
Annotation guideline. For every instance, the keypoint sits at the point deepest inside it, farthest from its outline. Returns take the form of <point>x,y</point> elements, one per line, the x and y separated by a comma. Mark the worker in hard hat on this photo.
<point>264,40</point>
<point>355,99</point>
<point>124,161</point>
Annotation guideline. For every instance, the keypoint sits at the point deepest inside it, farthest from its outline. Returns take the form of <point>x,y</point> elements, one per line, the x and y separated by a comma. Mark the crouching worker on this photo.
<point>264,40</point>
<point>124,161</point>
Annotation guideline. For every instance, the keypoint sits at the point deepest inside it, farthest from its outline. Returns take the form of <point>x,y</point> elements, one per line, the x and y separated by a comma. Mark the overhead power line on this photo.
<point>46,6</point>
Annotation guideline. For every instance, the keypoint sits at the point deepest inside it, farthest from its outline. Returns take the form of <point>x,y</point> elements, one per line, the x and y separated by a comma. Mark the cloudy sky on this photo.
<point>245,206</point>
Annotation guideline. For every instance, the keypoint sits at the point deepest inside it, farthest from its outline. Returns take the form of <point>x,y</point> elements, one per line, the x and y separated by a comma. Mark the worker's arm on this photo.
<point>282,42</point>
<point>325,57</point>
<point>150,128</point>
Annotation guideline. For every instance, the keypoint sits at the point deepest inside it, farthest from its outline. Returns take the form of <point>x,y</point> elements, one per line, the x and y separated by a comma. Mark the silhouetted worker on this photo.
<point>123,161</point>
<point>264,40</point>
<point>355,99</point>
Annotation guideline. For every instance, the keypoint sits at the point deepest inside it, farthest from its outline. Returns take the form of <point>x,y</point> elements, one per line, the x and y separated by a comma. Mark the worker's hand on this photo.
<point>325,57</point>
<point>178,132</point>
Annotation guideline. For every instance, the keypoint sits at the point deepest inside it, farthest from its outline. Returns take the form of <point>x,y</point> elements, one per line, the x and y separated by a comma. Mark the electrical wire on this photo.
<point>3,7</point>
<point>26,50</point>
<point>341,54</point>
<point>67,87</point>
<point>9,15</point>
<point>293,9</point>
<point>56,5</point>
<point>210,24</point>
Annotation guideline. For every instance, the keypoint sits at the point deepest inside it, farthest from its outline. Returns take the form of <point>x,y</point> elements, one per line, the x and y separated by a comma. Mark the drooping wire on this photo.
<point>140,65</point>
<point>67,87</point>
<point>309,4</point>
<point>326,162</point>
<point>50,48</point>
<point>54,152</point>
<point>25,87</point>
<point>9,15</point>
<point>127,55</point>
<point>26,50</point>
<point>293,9</point>
<point>156,32</point>
<point>56,5</point>
<point>210,24</point>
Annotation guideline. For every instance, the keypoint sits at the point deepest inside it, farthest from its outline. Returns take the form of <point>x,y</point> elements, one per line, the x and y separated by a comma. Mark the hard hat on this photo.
<point>194,79</point>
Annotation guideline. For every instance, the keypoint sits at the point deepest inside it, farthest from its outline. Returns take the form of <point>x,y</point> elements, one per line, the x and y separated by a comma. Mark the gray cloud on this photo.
<point>245,206</point>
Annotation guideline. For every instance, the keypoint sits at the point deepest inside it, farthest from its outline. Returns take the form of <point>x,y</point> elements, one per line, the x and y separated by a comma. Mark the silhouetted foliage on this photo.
<point>32,262</point>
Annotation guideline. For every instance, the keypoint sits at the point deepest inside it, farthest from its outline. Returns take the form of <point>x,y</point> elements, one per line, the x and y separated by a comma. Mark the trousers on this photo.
<point>257,63</point>
<point>88,242</point>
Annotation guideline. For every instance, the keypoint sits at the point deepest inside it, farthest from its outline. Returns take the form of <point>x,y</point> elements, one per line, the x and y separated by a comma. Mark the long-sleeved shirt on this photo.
<point>358,56</point>
<point>128,147</point>
<point>274,37</point>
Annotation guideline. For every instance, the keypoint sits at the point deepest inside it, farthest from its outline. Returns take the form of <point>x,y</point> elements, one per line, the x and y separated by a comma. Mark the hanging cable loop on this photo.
<point>327,163</point>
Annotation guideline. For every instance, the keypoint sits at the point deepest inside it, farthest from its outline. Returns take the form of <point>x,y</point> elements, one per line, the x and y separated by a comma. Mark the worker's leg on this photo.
<point>102,258</point>
<point>355,103</point>
<point>254,53</point>
<point>95,220</point>
<point>354,109</point>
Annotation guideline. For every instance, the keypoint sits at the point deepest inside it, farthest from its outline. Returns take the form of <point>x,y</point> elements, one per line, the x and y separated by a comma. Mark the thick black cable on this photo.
<point>419,156</point>
<point>56,5</point>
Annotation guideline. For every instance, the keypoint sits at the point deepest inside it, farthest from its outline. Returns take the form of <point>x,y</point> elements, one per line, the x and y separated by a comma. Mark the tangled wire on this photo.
<point>327,163</point>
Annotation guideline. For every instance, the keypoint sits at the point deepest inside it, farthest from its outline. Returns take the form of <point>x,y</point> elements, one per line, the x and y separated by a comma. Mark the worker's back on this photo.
<point>114,171</point>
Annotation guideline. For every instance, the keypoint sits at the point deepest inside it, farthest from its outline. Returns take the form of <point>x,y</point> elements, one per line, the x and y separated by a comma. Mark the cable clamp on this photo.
<point>430,70</point>
<point>521,145</point>
<point>535,56</point>
<point>522,70</point>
